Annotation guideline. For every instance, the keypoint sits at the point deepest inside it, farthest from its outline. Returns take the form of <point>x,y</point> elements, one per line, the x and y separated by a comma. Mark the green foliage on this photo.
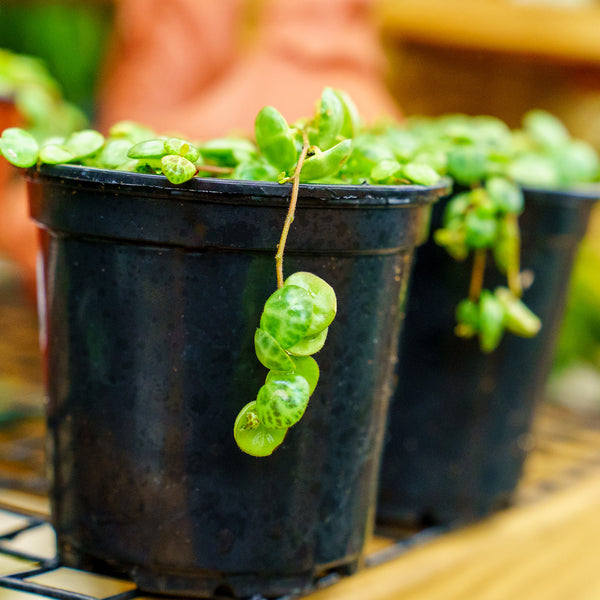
<point>579,340</point>
<point>492,164</point>
<point>19,147</point>
<point>26,81</point>
<point>252,436</point>
<point>275,139</point>
<point>70,37</point>
<point>340,150</point>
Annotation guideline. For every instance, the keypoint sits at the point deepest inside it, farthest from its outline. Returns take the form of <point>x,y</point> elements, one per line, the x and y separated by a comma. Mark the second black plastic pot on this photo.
<point>459,422</point>
<point>151,294</point>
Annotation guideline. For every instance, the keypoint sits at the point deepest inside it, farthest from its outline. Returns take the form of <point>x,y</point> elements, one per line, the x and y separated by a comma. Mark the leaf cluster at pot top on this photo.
<point>418,150</point>
<point>340,149</point>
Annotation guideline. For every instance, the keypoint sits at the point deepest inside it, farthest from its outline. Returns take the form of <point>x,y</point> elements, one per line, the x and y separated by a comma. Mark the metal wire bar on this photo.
<point>45,563</point>
<point>14,583</point>
<point>20,581</point>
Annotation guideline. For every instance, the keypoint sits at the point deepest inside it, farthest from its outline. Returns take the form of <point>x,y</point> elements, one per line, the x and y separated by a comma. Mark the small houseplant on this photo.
<point>157,304</point>
<point>467,386</point>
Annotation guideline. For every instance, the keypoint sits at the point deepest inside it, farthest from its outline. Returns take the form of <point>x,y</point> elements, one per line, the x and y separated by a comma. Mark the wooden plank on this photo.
<point>560,33</point>
<point>25,502</point>
<point>542,551</point>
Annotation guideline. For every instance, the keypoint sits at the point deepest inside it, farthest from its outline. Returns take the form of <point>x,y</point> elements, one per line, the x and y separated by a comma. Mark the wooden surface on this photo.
<point>559,33</point>
<point>543,548</point>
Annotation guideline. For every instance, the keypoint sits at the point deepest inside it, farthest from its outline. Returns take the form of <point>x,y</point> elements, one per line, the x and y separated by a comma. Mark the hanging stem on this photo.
<point>291,210</point>
<point>514,267</point>
<point>477,274</point>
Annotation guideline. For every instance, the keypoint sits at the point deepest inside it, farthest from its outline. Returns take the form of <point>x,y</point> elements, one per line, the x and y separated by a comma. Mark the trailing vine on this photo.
<point>489,163</point>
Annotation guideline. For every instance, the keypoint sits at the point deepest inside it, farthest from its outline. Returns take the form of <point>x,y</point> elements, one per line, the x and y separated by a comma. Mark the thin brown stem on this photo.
<point>514,267</point>
<point>291,210</point>
<point>477,274</point>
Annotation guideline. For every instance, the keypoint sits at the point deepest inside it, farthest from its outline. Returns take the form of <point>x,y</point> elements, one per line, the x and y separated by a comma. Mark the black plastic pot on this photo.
<point>151,294</point>
<point>459,424</point>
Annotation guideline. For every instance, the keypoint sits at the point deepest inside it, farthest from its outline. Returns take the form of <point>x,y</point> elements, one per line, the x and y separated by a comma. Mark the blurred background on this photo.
<point>503,57</point>
<point>204,68</point>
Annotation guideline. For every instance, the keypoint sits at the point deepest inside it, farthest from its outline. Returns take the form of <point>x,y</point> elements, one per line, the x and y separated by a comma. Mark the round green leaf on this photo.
<point>306,366</point>
<point>323,298</point>
<point>148,149</point>
<point>255,439</point>
<point>467,312</point>
<point>114,153</point>
<point>577,162</point>
<point>19,147</point>
<point>130,130</point>
<point>385,169</point>
<point>309,345</point>
<point>229,151</point>
<point>534,170</point>
<point>53,154</point>
<point>288,314</point>
<point>420,174</point>
<point>82,144</point>
<point>491,321</point>
<point>456,208</point>
<point>255,170</point>
<point>281,402</point>
<point>467,165</point>
<point>480,231</point>
<point>546,129</point>
<point>177,169</point>
<point>182,148</point>
<point>270,353</point>
<point>505,195</point>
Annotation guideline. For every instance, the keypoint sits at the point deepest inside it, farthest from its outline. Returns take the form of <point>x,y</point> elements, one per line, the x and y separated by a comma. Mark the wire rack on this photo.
<point>566,448</point>
<point>29,565</point>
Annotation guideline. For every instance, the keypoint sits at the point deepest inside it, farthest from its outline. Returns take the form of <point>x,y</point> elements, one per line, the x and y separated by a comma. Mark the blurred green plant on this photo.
<point>579,340</point>
<point>490,163</point>
<point>26,81</point>
<point>70,36</point>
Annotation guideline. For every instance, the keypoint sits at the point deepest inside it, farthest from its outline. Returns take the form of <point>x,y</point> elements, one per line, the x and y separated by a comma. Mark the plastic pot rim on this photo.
<point>326,194</point>
<point>579,193</point>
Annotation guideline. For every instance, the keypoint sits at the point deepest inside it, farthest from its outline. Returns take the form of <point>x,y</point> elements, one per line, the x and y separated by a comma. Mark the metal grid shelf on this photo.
<point>30,569</point>
<point>566,450</point>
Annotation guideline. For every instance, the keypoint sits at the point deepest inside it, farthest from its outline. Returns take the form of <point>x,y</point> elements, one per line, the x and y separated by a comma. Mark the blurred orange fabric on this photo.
<point>18,235</point>
<point>196,68</point>
<point>188,69</point>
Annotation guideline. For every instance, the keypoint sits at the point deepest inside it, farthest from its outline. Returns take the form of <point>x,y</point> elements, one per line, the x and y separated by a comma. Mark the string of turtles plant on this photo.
<point>481,154</point>
<point>296,317</point>
<point>490,163</point>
